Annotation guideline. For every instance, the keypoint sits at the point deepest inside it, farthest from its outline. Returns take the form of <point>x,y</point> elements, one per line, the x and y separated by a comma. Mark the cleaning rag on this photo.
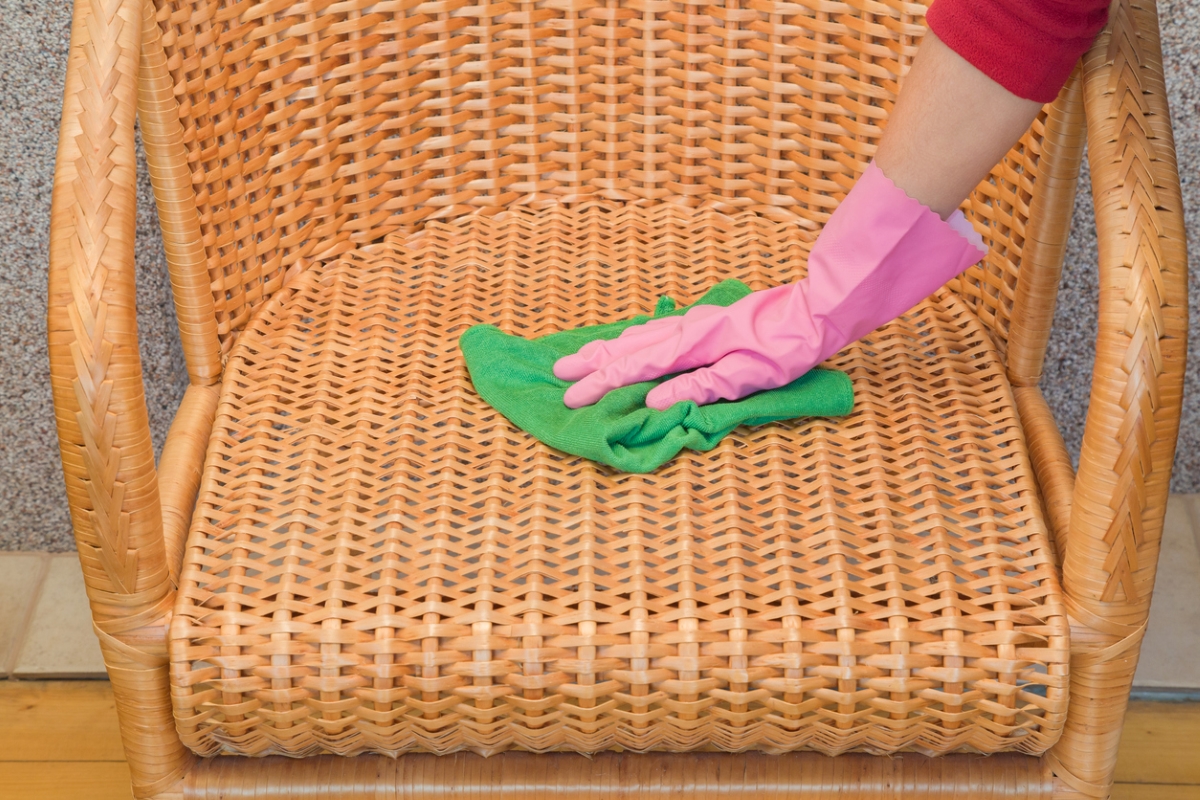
<point>516,377</point>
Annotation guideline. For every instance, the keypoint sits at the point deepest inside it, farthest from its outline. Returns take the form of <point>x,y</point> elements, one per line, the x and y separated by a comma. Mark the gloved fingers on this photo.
<point>738,374</point>
<point>595,355</point>
<point>599,354</point>
<point>645,364</point>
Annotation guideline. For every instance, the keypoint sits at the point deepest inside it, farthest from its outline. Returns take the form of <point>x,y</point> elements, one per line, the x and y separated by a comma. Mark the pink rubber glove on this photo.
<point>880,254</point>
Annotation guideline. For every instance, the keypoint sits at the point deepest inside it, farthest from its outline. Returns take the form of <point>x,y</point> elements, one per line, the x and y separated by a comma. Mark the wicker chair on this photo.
<point>344,552</point>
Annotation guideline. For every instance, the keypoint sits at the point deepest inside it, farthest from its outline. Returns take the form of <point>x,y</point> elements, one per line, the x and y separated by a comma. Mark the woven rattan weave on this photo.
<point>432,110</point>
<point>378,562</point>
<point>381,562</point>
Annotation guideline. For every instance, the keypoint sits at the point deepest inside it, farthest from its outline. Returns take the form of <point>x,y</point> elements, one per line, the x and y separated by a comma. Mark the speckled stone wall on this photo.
<point>33,44</point>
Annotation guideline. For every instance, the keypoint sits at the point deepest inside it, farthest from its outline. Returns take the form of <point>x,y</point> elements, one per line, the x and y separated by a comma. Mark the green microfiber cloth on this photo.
<point>516,377</point>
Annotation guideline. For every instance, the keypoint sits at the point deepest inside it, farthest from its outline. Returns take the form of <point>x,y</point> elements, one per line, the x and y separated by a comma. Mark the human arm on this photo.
<point>877,256</point>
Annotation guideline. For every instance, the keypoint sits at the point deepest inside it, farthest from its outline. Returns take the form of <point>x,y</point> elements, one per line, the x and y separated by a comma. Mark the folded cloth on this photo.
<point>516,377</point>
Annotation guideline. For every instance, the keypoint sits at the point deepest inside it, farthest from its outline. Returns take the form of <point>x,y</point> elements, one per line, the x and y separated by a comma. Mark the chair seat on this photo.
<point>380,562</point>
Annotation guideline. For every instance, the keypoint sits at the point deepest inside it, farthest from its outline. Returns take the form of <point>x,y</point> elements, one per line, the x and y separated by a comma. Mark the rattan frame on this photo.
<point>130,518</point>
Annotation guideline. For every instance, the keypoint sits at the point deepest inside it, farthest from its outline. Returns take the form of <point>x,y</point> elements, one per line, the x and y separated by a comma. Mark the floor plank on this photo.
<point>72,780</point>
<point>1155,791</point>
<point>1161,744</point>
<point>59,721</point>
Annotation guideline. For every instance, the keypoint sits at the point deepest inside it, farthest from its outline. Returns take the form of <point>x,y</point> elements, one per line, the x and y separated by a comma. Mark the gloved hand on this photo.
<point>880,253</point>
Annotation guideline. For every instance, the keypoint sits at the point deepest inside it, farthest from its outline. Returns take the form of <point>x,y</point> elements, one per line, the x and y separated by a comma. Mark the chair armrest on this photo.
<point>1124,473</point>
<point>103,426</point>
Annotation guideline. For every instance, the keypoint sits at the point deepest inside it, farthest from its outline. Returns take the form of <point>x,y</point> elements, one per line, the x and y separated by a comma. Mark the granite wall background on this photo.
<point>33,42</point>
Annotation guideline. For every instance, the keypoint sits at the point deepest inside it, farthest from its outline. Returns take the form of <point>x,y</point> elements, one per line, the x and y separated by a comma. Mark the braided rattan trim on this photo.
<point>380,562</point>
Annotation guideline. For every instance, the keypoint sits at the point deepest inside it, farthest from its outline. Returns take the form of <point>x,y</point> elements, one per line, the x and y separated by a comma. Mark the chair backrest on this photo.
<point>312,128</point>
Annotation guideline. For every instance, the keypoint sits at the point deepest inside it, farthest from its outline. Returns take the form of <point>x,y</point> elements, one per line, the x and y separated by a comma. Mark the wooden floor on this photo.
<point>59,741</point>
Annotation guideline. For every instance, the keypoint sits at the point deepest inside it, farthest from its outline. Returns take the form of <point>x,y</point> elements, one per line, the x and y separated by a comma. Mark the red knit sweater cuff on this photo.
<point>1027,46</point>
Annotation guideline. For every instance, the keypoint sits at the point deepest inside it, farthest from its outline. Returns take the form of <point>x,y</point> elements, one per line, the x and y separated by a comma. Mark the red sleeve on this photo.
<point>1027,46</point>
